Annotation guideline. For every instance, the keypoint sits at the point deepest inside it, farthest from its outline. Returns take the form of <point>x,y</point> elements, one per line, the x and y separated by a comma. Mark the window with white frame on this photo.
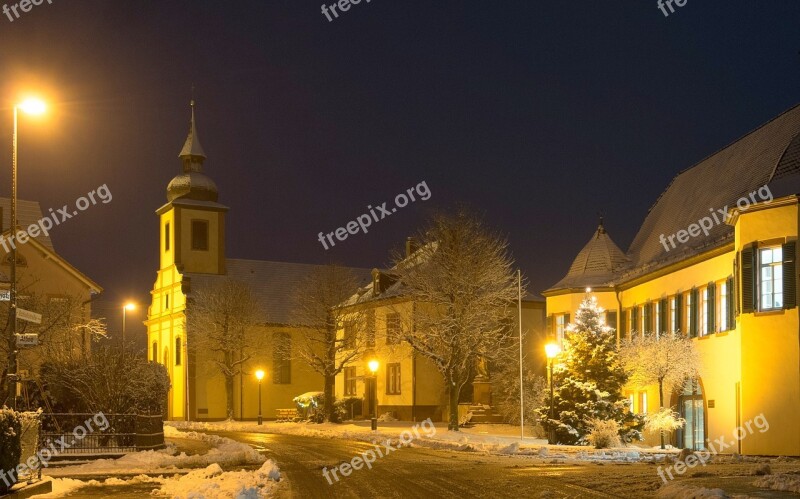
<point>561,325</point>
<point>673,315</point>
<point>657,314</point>
<point>770,282</point>
<point>723,307</point>
<point>688,313</point>
<point>703,312</point>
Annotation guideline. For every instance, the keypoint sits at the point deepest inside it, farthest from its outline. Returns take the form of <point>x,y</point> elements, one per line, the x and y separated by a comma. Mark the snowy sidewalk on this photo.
<point>178,474</point>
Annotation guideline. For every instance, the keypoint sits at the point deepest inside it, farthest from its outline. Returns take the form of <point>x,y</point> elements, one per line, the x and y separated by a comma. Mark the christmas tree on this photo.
<point>588,381</point>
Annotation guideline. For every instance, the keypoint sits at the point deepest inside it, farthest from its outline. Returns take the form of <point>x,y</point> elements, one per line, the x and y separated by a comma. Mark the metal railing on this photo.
<point>80,434</point>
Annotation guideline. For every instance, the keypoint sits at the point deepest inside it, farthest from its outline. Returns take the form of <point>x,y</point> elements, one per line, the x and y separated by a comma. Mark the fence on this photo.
<point>125,433</point>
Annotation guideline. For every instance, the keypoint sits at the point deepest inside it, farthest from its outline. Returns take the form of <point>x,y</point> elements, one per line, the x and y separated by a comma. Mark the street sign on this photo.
<point>5,295</point>
<point>27,340</point>
<point>29,316</point>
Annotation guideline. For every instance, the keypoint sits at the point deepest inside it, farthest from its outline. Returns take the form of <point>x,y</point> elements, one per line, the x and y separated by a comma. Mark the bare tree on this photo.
<point>668,360</point>
<point>221,320</point>
<point>318,310</point>
<point>464,289</point>
<point>65,332</point>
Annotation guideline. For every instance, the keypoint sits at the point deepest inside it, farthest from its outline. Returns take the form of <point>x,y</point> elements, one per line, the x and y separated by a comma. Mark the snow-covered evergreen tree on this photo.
<point>588,381</point>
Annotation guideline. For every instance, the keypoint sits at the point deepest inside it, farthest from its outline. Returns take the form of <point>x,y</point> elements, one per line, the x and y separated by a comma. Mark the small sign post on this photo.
<point>27,315</point>
<point>27,340</point>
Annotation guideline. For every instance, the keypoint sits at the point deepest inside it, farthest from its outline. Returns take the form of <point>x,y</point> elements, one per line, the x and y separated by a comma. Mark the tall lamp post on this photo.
<point>551,350</point>
<point>259,377</point>
<point>125,308</point>
<point>373,368</point>
<point>34,107</point>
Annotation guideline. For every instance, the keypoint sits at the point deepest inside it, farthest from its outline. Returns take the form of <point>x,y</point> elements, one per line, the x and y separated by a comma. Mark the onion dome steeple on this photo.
<point>192,183</point>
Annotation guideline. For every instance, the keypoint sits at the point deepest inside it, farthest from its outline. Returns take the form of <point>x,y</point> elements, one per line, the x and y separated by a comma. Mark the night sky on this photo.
<point>538,115</point>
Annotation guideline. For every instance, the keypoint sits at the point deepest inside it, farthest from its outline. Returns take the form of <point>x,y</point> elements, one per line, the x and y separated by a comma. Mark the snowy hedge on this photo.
<point>10,447</point>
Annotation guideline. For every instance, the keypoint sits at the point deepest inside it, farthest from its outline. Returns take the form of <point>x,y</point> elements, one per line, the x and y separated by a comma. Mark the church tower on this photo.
<point>192,241</point>
<point>192,222</point>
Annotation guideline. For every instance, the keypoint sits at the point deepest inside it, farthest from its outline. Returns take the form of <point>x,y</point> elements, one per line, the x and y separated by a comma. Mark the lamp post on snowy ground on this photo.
<point>551,350</point>
<point>373,368</point>
<point>259,377</point>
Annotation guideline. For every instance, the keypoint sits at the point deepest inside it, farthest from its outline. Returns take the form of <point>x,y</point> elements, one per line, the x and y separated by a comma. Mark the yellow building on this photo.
<point>192,257</point>
<point>47,284</point>
<point>714,259</point>
<point>408,384</point>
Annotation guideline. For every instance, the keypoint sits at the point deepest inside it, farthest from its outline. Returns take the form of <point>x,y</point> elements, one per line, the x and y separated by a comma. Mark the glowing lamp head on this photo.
<point>552,350</point>
<point>588,290</point>
<point>32,106</point>
<point>130,306</point>
<point>373,366</point>
<point>259,374</point>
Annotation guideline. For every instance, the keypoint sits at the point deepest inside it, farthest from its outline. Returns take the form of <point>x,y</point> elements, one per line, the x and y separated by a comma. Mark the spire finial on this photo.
<point>192,152</point>
<point>600,228</point>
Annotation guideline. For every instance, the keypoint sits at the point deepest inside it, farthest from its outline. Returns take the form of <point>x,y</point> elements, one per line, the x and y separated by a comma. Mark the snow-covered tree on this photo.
<point>665,419</point>
<point>220,322</point>
<point>318,310</point>
<point>588,380</point>
<point>505,392</point>
<point>667,360</point>
<point>464,289</point>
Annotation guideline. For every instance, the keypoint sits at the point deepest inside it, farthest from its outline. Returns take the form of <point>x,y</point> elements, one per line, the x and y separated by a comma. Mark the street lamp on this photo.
<point>33,107</point>
<point>125,308</point>
<point>551,350</point>
<point>259,377</point>
<point>373,368</point>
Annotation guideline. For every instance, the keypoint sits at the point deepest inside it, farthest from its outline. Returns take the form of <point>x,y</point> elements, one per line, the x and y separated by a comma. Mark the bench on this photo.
<point>286,415</point>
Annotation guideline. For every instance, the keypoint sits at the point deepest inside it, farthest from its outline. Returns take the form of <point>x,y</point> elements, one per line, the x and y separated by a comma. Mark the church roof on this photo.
<point>273,283</point>
<point>192,183</point>
<point>192,145</point>
<point>596,263</point>
<point>769,155</point>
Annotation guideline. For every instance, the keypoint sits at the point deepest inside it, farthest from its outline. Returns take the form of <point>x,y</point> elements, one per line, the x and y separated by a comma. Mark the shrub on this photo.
<point>664,420</point>
<point>603,433</point>
<point>10,444</point>
<point>346,408</point>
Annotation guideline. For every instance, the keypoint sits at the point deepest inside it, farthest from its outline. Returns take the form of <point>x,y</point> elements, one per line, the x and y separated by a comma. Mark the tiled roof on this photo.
<point>769,155</point>
<point>595,265</point>
<point>28,213</point>
<point>717,181</point>
<point>274,283</point>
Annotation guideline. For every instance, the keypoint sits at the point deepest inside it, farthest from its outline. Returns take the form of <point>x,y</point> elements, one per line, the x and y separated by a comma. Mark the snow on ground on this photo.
<point>213,483</point>
<point>491,439</point>
<point>681,491</point>
<point>784,481</point>
<point>224,451</point>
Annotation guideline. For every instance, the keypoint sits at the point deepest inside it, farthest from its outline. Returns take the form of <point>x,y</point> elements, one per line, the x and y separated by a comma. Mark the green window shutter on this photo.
<point>634,319</point>
<point>711,307</point>
<point>663,320</point>
<point>678,312</point>
<point>551,327</point>
<point>731,307</point>
<point>566,321</point>
<point>748,280</point>
<point>789,275</point>
<point>693,314</point>
<point>611,319</point>
<point>623,324</point>
<point>647,316</point>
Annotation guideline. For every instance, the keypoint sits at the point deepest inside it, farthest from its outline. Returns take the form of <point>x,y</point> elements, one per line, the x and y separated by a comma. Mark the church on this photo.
<point>192,258</point>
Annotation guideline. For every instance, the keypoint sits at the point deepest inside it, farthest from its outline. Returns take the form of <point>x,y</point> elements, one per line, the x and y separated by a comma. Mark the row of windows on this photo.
<point>199,229</point>
<point>281,357</point>
<point>393,385</point>
<point>698,312</point>
<point>394,330</point>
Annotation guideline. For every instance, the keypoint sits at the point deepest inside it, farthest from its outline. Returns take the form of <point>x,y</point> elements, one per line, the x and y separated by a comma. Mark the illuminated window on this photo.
<point>673,315</point>
<point>393,379</point>
<point>770,283</point>
<point>723,307</point>
<point>688,314</point>
<point>704,319</point>
<point>642,402</point>
<point>349,381</point>
<point>561,326</point>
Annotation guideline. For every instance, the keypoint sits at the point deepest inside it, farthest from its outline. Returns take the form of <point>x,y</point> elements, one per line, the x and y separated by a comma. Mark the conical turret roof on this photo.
<point>596,264</point>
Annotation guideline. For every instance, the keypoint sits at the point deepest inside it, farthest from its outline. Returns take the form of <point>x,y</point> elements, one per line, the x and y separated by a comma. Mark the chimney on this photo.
<point>411,246</point>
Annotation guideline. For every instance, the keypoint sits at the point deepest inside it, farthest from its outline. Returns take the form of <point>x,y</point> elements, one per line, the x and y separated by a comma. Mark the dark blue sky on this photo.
<point>537,114</point>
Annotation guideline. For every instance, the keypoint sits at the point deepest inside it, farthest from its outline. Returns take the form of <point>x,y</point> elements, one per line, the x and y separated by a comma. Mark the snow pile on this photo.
<point>213,483</point>
<point>224,451</point>
<point>784,481</point>
<point>386,417</point>
<point>679,491</point>
<point>64,486</point>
